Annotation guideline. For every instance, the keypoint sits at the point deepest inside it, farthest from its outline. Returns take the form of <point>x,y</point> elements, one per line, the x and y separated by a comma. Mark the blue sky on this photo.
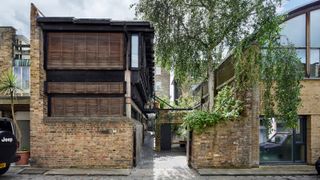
<point>16,12</point>
<point>292,4</point>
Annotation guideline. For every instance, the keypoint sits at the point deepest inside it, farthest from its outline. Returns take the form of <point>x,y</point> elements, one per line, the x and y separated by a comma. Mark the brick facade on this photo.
<point>231,144</point>
<point>7,36</point>
<point>73,142</point>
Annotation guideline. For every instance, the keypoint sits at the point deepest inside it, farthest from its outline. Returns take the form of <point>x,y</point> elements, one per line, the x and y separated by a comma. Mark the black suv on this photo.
<point>8,145</point>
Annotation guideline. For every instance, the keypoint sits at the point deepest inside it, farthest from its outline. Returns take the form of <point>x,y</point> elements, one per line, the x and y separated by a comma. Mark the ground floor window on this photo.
<point>283,144</point>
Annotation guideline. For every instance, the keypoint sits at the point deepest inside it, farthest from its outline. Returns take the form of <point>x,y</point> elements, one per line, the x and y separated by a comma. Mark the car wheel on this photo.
<point>5,169</point>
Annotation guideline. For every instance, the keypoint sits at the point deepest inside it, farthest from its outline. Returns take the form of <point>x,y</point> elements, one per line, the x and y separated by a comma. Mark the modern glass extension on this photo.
<point>283,145</point>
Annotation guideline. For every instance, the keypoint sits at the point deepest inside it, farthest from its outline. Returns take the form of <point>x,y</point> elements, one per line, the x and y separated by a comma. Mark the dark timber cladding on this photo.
<point>85,62</point>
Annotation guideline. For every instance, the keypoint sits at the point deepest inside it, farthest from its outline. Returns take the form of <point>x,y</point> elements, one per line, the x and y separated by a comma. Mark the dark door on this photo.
<point>165,138</point>
<point>299,141</point>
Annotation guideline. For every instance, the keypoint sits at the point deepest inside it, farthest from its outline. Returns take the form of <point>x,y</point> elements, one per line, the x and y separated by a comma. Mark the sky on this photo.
<point>16,12</point>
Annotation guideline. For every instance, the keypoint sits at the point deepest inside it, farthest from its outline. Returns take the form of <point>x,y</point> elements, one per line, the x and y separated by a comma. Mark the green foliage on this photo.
<point>227,104</point>
<point>191,34</point>
<point>9,86</point>
<point>280,73</point>
<point>8,83</point>
<point>226,108</point>
<point>288,74</point>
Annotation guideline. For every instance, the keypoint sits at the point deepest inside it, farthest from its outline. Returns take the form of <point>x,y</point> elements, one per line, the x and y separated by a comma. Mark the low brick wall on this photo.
<point>83,144</point>
<point>233,144</point>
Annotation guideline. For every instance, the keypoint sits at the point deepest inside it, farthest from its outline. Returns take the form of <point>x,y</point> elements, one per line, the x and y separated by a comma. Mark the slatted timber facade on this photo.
<point>86,87</point>
<point>85,50</point>
<point>85,76</point>
<point>86,106</point>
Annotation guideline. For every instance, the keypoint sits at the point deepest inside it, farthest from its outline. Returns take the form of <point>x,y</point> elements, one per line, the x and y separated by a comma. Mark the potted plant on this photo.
<point>24,154</point>
<point>9,86</point>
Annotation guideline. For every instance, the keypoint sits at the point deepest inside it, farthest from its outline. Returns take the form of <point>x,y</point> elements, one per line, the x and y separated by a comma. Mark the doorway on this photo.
<point>283,145</point>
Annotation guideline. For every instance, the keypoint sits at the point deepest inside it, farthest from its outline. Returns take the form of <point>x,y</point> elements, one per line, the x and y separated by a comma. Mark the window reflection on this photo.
<point>294,30</point>
<point>314,62</point>
<point>135,51</point>
<point>301,53</point>
<point>315,28</point>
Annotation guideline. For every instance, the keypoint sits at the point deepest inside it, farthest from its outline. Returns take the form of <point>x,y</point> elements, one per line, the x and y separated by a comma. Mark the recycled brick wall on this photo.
<point>231,144</point>
<point>7,35</point>
<point>84,144</point>
<point>67,142</point>
<point>310,97</point>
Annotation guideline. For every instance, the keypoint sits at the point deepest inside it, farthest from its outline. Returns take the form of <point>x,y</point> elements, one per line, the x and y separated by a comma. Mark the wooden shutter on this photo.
<point>86,106</point>
<point>85,50</point>
<point>86,87</point>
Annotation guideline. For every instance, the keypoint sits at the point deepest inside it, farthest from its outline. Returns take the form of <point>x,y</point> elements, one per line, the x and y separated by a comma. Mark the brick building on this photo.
<point>92,82</point>
<point>244,143</point>
<point>14,54</point>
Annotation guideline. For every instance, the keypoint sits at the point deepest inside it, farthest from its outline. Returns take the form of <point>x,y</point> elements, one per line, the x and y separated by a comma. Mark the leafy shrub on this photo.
<point>227,107</point>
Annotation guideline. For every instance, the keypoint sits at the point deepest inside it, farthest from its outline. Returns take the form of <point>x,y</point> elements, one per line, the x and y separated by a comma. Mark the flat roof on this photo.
<point>48,23</point>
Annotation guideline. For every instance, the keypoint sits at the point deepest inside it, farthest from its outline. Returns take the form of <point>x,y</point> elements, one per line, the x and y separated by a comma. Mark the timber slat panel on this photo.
<point>86,106</point>
<point>84,50</point>
<point>86,87</point>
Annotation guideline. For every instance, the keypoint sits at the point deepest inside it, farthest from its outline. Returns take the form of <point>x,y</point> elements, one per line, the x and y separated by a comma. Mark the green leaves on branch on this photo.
<point>227,107</point>
<point>191,35</point>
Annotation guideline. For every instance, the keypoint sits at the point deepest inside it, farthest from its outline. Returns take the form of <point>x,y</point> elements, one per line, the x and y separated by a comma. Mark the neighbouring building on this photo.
<point>244,143</point>
<point>91,88</point>
<point>15,55</point>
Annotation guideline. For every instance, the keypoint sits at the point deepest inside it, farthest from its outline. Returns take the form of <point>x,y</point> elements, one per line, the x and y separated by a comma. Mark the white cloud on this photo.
<point>16,13</point>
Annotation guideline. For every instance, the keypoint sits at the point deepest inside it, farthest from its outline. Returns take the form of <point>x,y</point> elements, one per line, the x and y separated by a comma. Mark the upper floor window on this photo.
<point>135,51</point>
<point>294,31</point>
<point>23,77</point>
<point>314,43</point>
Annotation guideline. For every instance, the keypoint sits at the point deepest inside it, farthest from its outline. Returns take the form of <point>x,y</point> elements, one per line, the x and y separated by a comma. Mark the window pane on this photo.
<point>135,51</point>
<point>315,28</point>
<point>25,77</point>
<point>276,146</point>
<point>17,73</point>
<point>314,62</point>
<point>294,31</point>
<point>301,53</point>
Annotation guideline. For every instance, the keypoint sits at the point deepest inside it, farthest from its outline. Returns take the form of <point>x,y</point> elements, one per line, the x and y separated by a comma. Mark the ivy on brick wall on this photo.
<point>227,107</point>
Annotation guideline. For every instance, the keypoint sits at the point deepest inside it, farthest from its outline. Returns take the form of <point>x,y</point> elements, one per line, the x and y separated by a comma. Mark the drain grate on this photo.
<point>33,171</point>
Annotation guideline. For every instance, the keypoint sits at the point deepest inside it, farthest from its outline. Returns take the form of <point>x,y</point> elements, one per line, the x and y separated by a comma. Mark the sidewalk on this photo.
<point>276,170</point>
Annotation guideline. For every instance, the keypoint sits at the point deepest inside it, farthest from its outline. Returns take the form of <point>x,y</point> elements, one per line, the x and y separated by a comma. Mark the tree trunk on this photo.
<point>17,128</point>
<point>210,83</point>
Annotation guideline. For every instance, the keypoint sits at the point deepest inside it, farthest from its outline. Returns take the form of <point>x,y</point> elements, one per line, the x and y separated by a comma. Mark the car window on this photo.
<point>5,126</point>
<point>278,138</point>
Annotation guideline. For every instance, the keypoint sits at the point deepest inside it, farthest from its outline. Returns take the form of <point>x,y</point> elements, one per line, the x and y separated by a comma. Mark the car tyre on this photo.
<point>5,169</point>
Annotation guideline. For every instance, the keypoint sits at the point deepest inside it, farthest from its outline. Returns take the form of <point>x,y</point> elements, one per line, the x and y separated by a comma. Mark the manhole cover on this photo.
<point>33,171</point>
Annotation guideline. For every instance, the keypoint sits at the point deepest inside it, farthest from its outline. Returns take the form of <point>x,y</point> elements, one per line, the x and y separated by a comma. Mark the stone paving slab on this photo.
<point>89,172</point>
<point>291,170</point>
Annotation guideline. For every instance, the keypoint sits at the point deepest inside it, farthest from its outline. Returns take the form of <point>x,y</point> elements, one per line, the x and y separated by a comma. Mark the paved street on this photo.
<point>154,165</point>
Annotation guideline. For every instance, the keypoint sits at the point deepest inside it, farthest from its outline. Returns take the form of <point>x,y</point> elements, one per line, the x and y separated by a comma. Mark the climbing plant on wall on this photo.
<point>192,35</point>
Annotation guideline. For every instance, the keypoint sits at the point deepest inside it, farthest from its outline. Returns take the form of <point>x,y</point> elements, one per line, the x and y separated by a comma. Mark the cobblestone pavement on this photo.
<point>155,165</point>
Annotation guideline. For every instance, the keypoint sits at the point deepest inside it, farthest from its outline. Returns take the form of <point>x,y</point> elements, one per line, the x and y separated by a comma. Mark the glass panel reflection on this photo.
<point>294,31</point>
<point>282,144</point>
<point>301,53</point>
<point>314,62</point>
<point>278,145</point>
<point>315,28</point>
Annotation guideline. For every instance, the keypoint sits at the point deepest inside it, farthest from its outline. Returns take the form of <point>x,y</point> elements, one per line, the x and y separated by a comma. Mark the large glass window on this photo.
<point>315,28</point>
<point>283,144</point>
<point>294,31</point>
<point>314,43</point>
<point>314,62</point>
<point>135,51</point>
<point>23,77</point>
